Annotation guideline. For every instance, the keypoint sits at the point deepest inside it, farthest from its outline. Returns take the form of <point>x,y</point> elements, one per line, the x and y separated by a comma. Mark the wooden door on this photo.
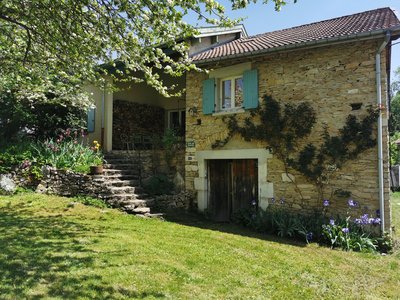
<point>233,185</point>
<point>220,189</point>
<point>244,183</point>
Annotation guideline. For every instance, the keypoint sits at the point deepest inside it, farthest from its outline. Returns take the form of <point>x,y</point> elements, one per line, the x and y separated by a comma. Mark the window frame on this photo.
<point>220,90</point>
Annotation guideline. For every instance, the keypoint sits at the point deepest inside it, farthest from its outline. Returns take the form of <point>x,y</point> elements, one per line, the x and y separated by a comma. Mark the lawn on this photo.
<point>50,249</point>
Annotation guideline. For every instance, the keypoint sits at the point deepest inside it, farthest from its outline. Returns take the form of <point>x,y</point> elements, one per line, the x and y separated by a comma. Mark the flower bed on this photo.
<point>344,232</point>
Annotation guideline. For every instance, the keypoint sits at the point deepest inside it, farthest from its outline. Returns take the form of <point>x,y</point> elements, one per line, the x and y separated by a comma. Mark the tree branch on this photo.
<point>28,33</point>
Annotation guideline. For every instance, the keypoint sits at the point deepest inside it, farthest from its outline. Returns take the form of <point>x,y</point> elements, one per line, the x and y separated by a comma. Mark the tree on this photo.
<point>395,104</point>
<point>47,43</point>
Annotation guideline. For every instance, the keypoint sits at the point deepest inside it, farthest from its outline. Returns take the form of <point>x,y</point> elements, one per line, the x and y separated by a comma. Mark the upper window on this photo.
<point>231,93</point>
<point>231,89</point>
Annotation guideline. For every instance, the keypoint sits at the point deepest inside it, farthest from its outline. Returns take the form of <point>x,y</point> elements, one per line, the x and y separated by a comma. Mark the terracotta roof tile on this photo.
<point>369,21</point>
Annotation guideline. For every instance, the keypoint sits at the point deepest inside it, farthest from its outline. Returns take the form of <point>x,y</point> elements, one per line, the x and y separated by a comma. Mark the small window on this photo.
<point>177,121</point>
<point>231,93</point>
<point>214,39</point>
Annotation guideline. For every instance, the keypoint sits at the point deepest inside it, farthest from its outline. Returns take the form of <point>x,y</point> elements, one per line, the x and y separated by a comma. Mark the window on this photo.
<point>238,92</point>
<point>231,93</point>
<point>177,121</point>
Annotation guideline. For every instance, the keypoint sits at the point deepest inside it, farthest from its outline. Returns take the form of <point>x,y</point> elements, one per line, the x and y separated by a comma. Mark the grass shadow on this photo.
<point>41,256</point>
<point>194,219</point>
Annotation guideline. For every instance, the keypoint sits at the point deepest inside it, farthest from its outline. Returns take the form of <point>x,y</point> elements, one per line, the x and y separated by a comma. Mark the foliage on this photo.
<point>281,221</point>
<point>68,151</point>
<point>86,200</point>
<point>170,142</point>
<point>340,235</point>
<point>357,234</point>
<point>284,130</point>
<point>21,155</point>
<point>39,116</point>
<point>394,149</point>
<point>158,185</point>
<point>42,40</point>
<point>394,118</point>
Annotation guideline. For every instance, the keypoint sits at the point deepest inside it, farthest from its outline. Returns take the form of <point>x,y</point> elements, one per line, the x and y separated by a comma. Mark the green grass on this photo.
<point>51,249</point>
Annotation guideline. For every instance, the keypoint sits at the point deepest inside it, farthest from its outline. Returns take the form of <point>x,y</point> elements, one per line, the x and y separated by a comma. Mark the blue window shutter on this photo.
<point>208,96</point>
<point>91,119</point>
<point>250,89</point>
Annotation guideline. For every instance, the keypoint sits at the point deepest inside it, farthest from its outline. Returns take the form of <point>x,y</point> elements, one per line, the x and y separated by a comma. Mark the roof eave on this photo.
<point>310,44</point>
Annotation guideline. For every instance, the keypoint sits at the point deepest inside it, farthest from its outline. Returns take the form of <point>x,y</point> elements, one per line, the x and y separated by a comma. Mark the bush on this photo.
<point>89,201</point>
<point>158,185</point>
<point>279,221</point>
<point>40,115</point>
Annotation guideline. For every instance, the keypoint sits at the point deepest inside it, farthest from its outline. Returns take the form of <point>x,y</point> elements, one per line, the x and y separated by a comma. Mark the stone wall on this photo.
<point>152,162</point>
<point>331,78</point>
<point>70,184</point>
<point>132,121</point>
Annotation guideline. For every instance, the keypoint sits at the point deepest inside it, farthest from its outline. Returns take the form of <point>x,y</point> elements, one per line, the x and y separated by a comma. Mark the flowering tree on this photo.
<point>58,44</point>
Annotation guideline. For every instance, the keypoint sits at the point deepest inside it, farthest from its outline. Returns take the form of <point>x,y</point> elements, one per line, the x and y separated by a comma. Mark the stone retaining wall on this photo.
<point>70,184</point>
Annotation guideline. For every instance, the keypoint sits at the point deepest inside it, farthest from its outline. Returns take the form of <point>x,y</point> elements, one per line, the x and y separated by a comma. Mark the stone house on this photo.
<point>330,64</point>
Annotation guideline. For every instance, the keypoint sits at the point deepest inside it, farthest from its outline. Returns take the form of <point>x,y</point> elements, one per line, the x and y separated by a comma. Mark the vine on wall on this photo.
<point>285,130</point>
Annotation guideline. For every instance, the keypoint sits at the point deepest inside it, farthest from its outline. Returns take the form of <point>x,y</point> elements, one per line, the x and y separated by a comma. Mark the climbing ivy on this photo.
<point>285,130</point>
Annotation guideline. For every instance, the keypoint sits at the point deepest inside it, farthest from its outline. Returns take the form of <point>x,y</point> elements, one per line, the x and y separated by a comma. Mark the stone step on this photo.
<point>121,190</point>
<point>120,198</point>
<point>138,202</point>
<point>121,177</point>
<point>121,160</point>
<point>120,166</point>
<point>120,183</point>
<point>155,216</point>
<point>120,172</point>
<point>136,210</point>
<point>126,156</point>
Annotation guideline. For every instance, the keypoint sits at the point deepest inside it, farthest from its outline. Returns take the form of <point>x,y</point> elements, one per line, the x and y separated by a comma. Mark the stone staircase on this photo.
<point>121,179</point>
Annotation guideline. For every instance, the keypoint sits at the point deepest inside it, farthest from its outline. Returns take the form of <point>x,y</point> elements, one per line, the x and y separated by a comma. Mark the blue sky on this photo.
<point>263,18</point>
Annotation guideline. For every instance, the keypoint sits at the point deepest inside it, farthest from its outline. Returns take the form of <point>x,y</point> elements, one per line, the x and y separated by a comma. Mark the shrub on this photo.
<point>38,114</point>
<point>158,185</point>
<point>86,200</point>
<point>280,221</point>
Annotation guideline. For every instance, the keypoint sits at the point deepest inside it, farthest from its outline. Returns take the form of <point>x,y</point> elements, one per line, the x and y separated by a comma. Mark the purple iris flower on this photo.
<point>309,236</point>
<point>345,230</point>
<point>325,202</point>
<point>376,221</point>
<point>365,219</point>
<point>332,222</point>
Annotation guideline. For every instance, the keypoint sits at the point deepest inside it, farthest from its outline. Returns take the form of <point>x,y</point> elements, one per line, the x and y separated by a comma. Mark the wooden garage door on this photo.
<point>233,185</point>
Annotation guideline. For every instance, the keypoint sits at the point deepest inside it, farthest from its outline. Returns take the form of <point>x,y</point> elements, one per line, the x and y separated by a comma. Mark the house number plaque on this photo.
<point>190,144</point>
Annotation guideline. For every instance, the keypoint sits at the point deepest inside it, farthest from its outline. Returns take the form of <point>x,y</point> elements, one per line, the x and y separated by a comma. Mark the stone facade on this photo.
<point>331,78</point>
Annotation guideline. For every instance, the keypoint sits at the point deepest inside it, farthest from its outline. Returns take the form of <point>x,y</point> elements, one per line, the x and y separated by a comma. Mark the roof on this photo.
<point>368,23</point>
<point>216,30</point>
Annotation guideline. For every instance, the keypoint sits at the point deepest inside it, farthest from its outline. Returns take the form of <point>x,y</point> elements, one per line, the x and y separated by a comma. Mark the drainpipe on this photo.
<point>380,145</point>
